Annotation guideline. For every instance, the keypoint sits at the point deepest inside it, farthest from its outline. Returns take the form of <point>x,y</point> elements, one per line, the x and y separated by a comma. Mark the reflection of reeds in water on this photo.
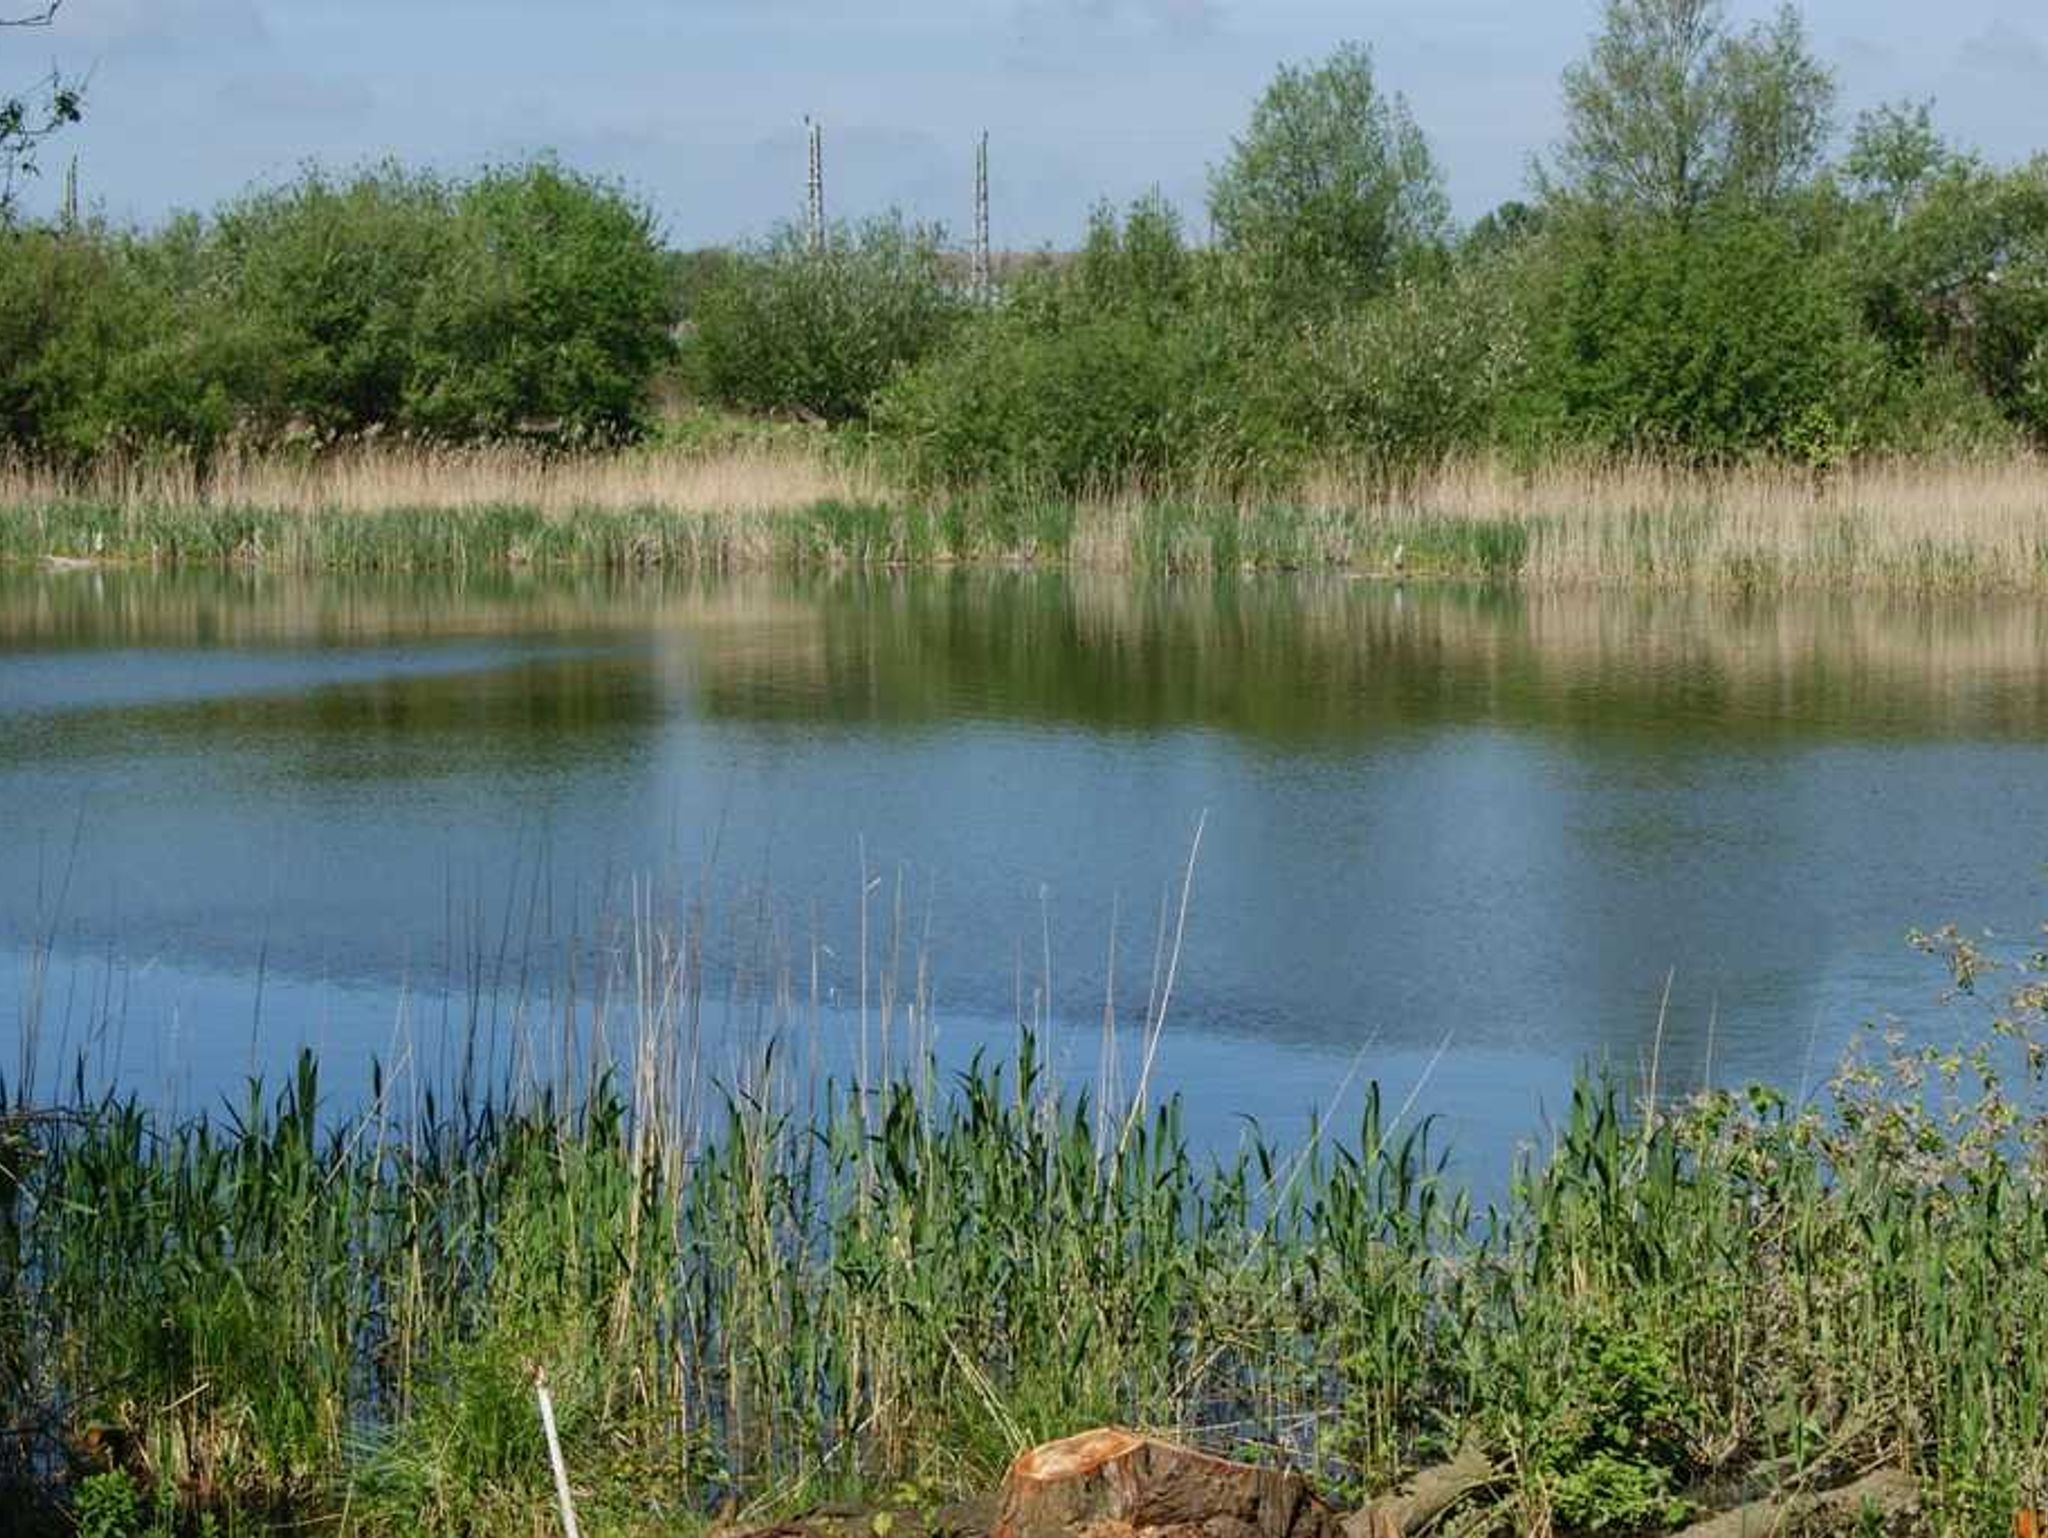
<point>1051,645</point>
<point>1334,658</point>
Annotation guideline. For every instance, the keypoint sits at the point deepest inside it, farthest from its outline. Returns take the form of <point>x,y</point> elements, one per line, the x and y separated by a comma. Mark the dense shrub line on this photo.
<point>1693,279</point>
<point>1749,298</point>
<point>526,299</point>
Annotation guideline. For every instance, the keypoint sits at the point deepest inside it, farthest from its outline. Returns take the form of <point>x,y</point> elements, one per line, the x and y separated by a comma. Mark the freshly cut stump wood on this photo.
<point>1117,1484</point>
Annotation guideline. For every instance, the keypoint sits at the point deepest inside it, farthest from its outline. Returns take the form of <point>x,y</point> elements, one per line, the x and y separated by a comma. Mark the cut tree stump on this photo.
<point>1116,1484</point>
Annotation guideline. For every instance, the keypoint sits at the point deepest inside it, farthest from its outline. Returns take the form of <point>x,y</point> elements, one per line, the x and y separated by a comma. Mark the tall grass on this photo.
<point>1961,525</point>
<point>780,1288</point>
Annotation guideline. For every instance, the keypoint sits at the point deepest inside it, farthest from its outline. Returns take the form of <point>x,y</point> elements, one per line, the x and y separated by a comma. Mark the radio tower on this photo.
<point>815,201</point>
<point>984,273</point>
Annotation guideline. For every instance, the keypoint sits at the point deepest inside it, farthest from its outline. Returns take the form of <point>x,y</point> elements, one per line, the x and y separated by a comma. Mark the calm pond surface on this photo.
<point>1456,841</point>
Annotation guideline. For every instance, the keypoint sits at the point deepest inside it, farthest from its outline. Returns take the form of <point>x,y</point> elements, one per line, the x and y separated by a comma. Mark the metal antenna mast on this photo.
<point>815,201</point>
<point>984,273</point>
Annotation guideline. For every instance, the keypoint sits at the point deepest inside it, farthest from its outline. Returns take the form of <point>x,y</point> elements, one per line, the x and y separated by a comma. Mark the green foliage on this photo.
<point>1952,266</point>
<point>1709,340</point>
<point>1089,406</point>
<point>1613,1451</point>
<point>330,274</point>
<point>550,316</point>
<point>1895,157</point>
<point>1108,372</point>
<point>819,332</point>
<point>1671,112</point>
<point>104,345</point>
<point>1689,280</point>
<point>1331,190</point>
<point>527,298</point>
<point>1138,265</point>
<point>107,1506</point>
<point>1415,376</point>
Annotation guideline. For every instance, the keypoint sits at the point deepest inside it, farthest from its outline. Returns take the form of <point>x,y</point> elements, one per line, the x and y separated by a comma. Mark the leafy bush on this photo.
<point>1709,338</point>
<point>107,1507</point>
<point>551,313</point>
<point>819,332</point>
<point>1120,366</point>
<point>527,297</point>
<point>331,272</point>
<point>1089,405</point>
<point>109,339</point>
<point>1614,1454</point>
<point>1416,375</point>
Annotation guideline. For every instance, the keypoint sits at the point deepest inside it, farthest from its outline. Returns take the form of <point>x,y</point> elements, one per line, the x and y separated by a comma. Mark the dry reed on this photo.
<point>373,477</point>
<point>1962,525</point>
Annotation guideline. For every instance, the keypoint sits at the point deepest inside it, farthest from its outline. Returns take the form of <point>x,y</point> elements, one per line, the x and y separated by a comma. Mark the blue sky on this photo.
<point>698,104</point>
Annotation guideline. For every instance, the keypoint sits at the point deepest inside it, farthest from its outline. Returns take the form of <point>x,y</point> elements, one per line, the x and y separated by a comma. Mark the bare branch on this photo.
<point>40,18</point>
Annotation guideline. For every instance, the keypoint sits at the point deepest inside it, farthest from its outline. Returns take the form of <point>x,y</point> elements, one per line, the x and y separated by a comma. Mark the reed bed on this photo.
<point>376,477</point>
<point>758,1288</point>
<point>1951,525</point>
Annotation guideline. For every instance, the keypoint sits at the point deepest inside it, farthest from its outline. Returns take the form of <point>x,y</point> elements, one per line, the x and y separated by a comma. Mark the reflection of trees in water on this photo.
<point>1298,661</point>
<point>524,716</point>
<point>1291,660</point>
<point>1526,887</point>
<point>118,606</point>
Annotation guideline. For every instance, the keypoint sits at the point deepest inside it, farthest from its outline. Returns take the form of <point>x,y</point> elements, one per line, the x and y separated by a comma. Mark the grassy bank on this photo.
<point>1908,525</point>
<point>757,1296</point>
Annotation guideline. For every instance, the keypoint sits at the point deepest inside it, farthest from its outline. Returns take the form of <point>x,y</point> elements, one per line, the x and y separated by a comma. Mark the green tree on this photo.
<point>550,312</point>
<point>1331,188</point>
<point>109,340</point>
<point>332,271</point>
<point>1671,111</point>
<point>1117,366</point>
<point>818,332</point>
<point>1508,227</point>
<point>1714,339</point>
<point>1896,157</point>
<point>1139,264</point>
<point>1965,277</point>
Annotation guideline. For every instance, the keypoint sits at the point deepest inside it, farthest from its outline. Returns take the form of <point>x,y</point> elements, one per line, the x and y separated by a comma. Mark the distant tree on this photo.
<point>1137,264</point>
<point>1670,110</point>
<point>1967,274</point>
<point>1705,340</point>
<point>1504,228</point>
<point>1331,187</point>
<point>333,269</point>
<point>816,330</point>
<point>28,119</point>
<point>550,315</point>
<point>1896,156</point>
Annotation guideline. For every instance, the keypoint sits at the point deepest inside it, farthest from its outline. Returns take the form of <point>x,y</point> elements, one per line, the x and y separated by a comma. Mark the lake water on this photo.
<point>1454,840</point>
